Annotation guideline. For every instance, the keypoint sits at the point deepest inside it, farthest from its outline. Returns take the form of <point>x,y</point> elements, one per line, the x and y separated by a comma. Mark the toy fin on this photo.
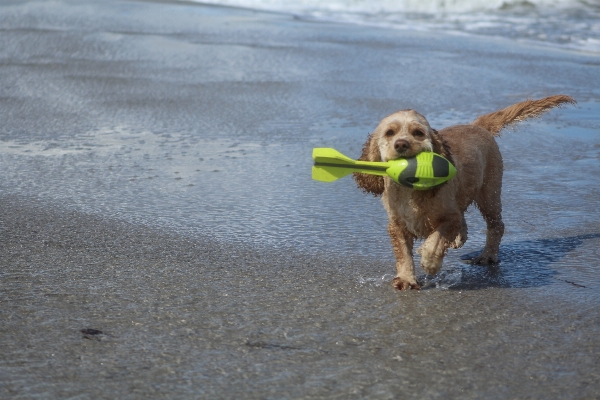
<point>331,165</point>
<point>329,174</point>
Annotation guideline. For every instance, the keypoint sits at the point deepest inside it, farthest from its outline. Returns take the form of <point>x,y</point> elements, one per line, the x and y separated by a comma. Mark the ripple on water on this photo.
<point>261,193</point>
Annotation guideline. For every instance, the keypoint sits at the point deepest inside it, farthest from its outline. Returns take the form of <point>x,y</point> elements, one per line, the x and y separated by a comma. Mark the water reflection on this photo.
<point>523,264</point>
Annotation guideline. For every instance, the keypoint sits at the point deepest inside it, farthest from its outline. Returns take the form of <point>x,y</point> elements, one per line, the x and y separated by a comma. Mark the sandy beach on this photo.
<point>160,234</point>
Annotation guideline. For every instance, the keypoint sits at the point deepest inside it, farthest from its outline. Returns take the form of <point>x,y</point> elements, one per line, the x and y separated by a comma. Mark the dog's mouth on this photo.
<point>405,154</point>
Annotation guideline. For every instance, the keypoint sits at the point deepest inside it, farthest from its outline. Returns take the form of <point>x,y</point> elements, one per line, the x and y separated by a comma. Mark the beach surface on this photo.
<point>160,234</point>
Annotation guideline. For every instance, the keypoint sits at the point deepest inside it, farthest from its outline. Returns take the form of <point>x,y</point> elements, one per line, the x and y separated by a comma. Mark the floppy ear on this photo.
<point>370,183</point>
<point>440,146</point>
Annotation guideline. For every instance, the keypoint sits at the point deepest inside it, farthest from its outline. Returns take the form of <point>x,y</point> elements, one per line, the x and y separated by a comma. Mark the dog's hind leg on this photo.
<point>495,230</point>
<point>490,205</point>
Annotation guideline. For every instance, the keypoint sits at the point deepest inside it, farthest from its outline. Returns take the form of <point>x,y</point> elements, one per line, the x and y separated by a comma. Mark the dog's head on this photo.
<point>405,133</point>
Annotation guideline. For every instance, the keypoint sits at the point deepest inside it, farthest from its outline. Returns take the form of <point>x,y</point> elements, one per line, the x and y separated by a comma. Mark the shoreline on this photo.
<point>441,23</point>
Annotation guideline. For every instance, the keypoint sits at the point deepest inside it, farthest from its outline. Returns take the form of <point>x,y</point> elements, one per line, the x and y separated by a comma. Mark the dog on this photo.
<point>437,215</point>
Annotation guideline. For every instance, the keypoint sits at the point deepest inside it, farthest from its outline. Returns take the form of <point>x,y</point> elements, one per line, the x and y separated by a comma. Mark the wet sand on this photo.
<point>154,243</point>
<point>191,318</point>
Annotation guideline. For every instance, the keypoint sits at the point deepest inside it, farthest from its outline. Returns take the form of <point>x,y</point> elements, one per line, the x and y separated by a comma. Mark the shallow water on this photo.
<point>260,192</point>
<point>159,155</point>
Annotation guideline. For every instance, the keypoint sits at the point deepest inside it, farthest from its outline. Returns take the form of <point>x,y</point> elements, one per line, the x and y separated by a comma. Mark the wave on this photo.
<point>573,24</point>
<point>404,6</point>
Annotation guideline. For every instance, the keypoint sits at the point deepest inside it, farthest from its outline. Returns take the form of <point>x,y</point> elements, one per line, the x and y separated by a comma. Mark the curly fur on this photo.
<point>438,215</point>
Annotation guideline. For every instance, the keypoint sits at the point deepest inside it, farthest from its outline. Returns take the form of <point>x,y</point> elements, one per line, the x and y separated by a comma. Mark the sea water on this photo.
<point>561,23</point>
<point>226,149</point>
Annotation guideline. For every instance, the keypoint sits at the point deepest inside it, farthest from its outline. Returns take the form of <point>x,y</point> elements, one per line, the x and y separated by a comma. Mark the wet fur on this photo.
<point>438,214</point>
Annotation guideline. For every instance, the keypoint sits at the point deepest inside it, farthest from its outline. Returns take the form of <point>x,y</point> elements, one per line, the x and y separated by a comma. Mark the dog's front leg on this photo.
<point>402,242</point>
<point>433,250</point>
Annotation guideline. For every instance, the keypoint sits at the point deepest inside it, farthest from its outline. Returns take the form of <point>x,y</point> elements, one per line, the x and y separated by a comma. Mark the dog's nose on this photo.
<point>401,145</point>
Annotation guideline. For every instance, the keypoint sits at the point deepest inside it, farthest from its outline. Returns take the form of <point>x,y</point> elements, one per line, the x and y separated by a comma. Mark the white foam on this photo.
<point>392,6</point>
<point>562,23</point>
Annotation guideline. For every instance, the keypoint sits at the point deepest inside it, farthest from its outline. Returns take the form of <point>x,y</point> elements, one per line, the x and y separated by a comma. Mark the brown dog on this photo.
<point>438,214</point>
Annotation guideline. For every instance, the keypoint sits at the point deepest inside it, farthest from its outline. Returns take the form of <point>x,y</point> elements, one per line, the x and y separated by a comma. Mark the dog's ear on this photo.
<point>370,183</point>
<point>440,146</point>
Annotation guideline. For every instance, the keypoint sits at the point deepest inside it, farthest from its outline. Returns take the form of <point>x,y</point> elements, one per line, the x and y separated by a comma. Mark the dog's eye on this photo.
<point>390,132</point>
<point>418,133</point>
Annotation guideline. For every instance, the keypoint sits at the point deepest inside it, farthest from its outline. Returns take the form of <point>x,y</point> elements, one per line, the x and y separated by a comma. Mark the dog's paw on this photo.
<point>432,256</point>
<point>458,242</point>
<point>462,236</point>
<point>401,284</point>
<point>430,263</point>
<point>485,259</point>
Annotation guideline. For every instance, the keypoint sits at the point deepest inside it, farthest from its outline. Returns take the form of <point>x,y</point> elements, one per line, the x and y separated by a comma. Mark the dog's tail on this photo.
<point>496,121</point>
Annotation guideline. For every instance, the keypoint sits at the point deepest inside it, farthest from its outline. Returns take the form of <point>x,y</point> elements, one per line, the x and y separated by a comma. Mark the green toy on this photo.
<point>424,171</point>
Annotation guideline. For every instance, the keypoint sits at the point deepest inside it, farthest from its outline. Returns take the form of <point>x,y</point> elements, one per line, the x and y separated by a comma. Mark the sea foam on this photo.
<point>393,6</point>
<point>570,24</point>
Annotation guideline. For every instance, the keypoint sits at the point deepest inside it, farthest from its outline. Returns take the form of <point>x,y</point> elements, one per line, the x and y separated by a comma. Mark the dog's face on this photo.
<point>405,133</point>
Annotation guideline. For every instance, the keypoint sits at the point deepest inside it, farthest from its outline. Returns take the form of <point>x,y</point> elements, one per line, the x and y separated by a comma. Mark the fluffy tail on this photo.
<point>496,121</point>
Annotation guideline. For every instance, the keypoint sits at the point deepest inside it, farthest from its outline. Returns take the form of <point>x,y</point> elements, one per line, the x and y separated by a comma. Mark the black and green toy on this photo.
<point>424,171</point>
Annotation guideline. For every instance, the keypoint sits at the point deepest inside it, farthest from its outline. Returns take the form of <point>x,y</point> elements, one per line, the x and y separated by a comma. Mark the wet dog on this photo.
<point>438,214</point>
